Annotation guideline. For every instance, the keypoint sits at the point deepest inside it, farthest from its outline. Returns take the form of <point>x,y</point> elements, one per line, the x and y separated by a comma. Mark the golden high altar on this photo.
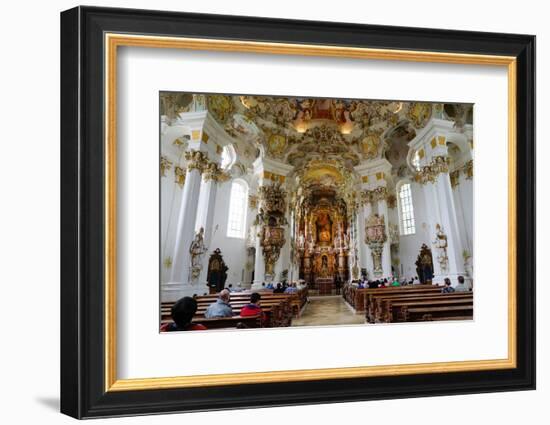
<point>325,237</point>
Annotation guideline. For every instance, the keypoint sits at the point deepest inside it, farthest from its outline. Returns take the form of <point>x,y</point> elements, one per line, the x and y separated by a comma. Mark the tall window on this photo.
<point>237,210</point>
<point>407,211</point>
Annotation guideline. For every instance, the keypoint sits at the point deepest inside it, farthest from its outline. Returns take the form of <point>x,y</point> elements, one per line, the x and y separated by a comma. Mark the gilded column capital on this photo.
<point>440,165</point>
<point>196,160</point>
<point>374,195</point>
<point>392,201</point>
<point>429,173</point>
<point>253,201</point>
<point>469,169</point>
<point>180,174</point>
<point>455,178</point>
<point>165,165</point>
<point>211,171</point>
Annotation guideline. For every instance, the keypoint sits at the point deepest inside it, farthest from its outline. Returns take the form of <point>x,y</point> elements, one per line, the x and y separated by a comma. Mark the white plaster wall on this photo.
<point>409,245</point>
<point>233,249</point>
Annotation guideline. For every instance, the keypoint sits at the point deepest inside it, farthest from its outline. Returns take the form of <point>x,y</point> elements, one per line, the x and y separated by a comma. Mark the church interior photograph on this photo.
<point>287,211</point>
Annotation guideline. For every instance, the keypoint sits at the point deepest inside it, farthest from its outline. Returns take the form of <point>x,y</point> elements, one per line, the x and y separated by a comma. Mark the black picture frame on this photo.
<point>83,392</point>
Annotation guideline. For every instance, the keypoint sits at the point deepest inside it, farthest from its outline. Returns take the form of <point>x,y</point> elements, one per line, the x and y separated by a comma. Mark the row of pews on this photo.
<point>411,303</point>
<point>279,309</point>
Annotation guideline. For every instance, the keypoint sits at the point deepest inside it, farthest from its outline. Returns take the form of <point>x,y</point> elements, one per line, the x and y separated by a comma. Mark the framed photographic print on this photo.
<point>261,212</point>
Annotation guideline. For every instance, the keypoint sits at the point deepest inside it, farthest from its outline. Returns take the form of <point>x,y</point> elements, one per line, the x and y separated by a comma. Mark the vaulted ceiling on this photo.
<point>326,136</point>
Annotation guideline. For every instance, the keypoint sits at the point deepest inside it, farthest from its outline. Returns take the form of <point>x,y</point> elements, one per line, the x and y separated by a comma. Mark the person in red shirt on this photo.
<point>253,309</point>
<point>182,314</point>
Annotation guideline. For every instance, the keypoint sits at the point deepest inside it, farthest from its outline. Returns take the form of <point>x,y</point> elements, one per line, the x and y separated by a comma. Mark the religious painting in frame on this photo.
<point>326,193</point>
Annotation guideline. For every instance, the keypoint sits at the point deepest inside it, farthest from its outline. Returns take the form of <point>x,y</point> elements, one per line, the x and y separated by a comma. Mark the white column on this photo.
<point>361,239</point>
<point>449,222</point>
<point>367,211</point>
<point>386,252</point>
<point>179,285</point>
<point>205,217</point>
<point>432,213</point>
<point>259,265</point>
<point>284,257</point>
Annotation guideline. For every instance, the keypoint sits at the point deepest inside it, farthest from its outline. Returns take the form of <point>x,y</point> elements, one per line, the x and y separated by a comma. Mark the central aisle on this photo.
<point>332,310</point>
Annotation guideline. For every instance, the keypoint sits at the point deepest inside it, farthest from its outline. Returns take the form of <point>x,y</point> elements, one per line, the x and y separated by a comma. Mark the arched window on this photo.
<point>236,221</point>
<point>406,210</point>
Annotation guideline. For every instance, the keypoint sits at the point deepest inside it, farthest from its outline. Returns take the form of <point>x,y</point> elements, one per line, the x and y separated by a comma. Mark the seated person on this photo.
<point>291,289</point>
<point>373,284</point>
<point>220,307</point>
<point>383,283</point>
<point>461,287</point>
<point>360,286</point>
<point>395,282</point>
<point>416,281</point>
<point>253,309</point>
<point>447,289</point>
<point>279,289</point>
<point>182,314</point>
<point>230,287</point>
<point>270,286</point>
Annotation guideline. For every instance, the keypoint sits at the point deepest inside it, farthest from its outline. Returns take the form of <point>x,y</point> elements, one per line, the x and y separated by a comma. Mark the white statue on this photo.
<point>441,244</point>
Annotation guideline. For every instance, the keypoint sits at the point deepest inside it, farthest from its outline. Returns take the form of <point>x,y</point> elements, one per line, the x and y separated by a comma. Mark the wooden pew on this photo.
<point>372,294</point>
<point>417,314</point>
<point>278,308</point>
<point>227,322</point>
<point>399,310</point>
<point>357,298</point>
<point>291,303</point>
<point>379,308</point>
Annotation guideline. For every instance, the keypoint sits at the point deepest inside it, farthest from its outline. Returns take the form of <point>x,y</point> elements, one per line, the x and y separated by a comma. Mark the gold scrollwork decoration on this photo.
<point>429,173</point>
<point>180,174</point>
<point>469,170</point>
<point>165,165</point>
<point>196,160</point>
<point>455,178</point>
<point>253,201</point>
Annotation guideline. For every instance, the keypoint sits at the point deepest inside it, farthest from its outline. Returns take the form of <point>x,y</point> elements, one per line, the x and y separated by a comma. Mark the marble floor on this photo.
<point>328,310</point>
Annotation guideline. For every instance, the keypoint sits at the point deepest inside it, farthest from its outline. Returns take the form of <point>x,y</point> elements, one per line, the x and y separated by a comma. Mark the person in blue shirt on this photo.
<point>221,307</point>
<point>291,289</point>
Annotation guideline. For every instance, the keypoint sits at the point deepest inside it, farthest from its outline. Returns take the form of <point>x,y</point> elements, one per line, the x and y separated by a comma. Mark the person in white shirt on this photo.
<point>461,287</point>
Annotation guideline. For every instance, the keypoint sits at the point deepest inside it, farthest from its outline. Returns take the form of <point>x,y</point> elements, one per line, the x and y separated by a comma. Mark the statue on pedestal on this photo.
<point>441,244</point>
<point>196,251</point>
<point>375,231</point>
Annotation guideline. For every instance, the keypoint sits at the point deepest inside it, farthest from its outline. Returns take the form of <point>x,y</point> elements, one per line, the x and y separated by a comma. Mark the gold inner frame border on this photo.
<point>113,40</point>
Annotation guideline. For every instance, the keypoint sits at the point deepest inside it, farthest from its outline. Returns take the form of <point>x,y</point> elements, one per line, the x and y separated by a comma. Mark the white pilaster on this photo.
<point>386,252</point>
<point>449,222</point>
<point>259,265</point>
<point>179,283</point>
<point>367,254</point>
<point>205,217</point>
